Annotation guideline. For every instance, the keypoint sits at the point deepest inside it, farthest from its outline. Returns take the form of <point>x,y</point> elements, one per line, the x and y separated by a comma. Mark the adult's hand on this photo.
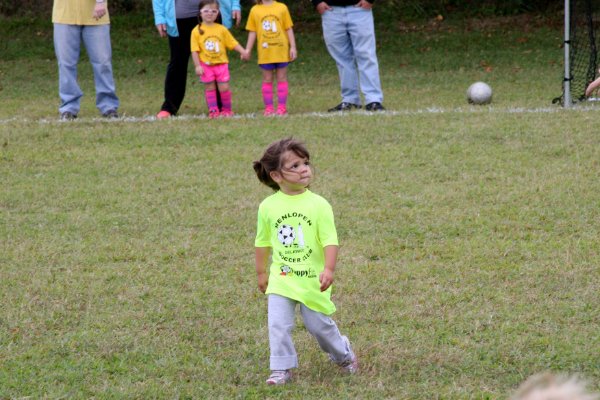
<point>99,10</point>
<point>237,15</point>
<point>364,4</point>
<point>162,29</point>
<point>322,7</point>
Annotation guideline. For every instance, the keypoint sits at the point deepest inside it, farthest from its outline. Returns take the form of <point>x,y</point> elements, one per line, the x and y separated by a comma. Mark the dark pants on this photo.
<point>177,70</point>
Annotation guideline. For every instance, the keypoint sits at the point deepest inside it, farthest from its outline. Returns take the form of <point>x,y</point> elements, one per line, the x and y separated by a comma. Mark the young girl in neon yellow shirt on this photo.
<point>270,24</point>
<point>296,229</point>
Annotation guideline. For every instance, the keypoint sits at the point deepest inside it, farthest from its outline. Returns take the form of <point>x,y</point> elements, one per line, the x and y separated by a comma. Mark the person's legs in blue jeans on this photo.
<point>67,42</point>
<point>339,45</point>
<point>97,44</point>
<point>362,35</point>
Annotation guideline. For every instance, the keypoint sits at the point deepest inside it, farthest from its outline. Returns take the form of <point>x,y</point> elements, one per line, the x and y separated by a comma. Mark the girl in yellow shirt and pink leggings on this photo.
<point>209,44</point>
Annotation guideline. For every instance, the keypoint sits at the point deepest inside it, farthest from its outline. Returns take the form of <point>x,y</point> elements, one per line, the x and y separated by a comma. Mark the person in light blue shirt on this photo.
<point>230,10</point>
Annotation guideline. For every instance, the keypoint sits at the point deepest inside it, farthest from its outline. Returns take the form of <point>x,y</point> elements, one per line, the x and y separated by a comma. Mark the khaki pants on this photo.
<point>281,323</point>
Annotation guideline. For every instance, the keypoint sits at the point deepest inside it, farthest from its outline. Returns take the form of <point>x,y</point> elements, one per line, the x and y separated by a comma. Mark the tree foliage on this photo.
<point>405,9</point>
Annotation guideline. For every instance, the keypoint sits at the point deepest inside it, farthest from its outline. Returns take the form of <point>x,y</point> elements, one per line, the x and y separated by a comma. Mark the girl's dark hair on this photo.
<point>200,6</point>
<point>271,159</point>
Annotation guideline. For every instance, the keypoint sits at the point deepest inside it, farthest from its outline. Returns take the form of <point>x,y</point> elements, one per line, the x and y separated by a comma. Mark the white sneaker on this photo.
<point>279,377</point>
<point>351,364</point>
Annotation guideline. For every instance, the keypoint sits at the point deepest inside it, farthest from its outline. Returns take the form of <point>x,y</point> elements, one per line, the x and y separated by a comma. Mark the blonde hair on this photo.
<point>548,386</point>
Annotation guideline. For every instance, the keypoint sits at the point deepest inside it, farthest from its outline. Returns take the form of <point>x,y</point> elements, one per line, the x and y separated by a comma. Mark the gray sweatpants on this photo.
<point>281,323</point>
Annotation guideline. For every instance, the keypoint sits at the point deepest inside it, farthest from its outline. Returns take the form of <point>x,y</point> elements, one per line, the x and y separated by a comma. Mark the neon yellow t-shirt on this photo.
<point>297,228</point>
<point>270,22</point>
<point>212,46</point>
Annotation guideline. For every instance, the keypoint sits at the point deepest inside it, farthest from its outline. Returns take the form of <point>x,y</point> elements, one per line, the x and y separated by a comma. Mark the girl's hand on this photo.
<point>263,282</point>
<point>199,70</point>
<point>326,279</point>
<point>293,53</point>
<point>245,55</point>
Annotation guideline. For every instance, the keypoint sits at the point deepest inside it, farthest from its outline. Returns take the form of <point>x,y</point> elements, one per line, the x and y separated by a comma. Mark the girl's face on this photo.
<point>295,173</point>
<point>209,13</point>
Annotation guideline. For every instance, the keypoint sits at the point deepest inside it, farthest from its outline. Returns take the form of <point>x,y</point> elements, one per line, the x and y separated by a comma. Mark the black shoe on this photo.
<point>67,116</point>
<point>374,106</point>
<point>343,106</point>
<point>111,114</point>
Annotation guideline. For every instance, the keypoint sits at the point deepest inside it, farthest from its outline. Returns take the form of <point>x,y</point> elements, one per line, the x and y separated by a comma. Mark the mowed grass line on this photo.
<point>468,262</point>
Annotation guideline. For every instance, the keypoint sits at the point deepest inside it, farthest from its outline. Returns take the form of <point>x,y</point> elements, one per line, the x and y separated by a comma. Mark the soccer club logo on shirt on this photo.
<point>295,252</point>
<point>292,238</point>
<point>212,45</point>
<point>269,25</point>
<point>270,28</point>
<point>287,235</point>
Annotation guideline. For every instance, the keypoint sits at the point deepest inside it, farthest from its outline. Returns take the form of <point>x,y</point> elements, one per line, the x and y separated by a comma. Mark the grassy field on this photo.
<point>469,256</point>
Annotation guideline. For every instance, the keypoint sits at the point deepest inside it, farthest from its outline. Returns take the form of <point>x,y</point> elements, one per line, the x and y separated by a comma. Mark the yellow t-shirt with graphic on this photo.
<point>76,12</point>
<point>297,228</point>
<point>213,44</point>
<point>270,22</point>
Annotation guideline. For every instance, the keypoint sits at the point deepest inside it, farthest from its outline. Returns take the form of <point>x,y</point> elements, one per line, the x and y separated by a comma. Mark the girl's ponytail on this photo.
<point>263,175</point>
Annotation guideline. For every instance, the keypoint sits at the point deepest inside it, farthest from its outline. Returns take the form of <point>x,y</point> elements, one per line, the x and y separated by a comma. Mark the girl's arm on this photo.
<point>261,259</point>
<point>196,58</point>
<point>292,40</point>
<point>244,54</point>
<point>326,277</point>
<point>250,42</point>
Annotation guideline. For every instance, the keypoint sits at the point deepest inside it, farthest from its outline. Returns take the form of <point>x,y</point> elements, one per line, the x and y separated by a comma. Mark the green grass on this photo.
<point>469,256</point>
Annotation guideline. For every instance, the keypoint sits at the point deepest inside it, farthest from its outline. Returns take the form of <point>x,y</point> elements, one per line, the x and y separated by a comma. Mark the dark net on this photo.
<point>582,52</point>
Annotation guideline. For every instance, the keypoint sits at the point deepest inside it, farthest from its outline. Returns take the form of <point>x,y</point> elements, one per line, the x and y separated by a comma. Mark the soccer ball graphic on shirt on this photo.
<point>285,234</point>
<point>269,26</point>
<point>212,46</point>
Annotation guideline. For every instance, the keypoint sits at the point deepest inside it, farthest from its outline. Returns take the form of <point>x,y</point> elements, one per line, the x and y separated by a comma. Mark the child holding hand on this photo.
<point>296,229</point>
<point>270,24</point>
<point>209,44</point>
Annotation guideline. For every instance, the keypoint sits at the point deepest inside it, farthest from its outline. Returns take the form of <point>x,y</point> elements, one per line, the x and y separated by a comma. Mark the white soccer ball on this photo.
<point>285,234</point>
<point>479,93</point>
